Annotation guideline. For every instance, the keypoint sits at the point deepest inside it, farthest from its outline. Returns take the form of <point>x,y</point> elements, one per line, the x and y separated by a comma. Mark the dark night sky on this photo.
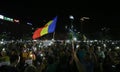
<point>101,13</point>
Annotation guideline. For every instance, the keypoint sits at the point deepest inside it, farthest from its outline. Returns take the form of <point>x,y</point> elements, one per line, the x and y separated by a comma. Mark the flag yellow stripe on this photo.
<point>45,29</point>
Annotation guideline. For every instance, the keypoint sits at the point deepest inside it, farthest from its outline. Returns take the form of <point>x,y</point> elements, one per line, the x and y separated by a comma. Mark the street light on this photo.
<point>71,17</point>
<point>71,30</point>
<point>82,20</point>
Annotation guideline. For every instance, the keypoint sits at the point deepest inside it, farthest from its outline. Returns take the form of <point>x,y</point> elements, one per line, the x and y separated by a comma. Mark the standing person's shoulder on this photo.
<point>30,68</point>
<point>6,68</point>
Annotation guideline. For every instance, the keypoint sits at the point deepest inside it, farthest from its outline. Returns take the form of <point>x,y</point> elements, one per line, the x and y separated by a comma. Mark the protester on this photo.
<point>59,57</point>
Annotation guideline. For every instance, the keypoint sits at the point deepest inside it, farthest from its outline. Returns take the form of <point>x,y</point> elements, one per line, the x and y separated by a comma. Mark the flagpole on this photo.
<point>53,35</point>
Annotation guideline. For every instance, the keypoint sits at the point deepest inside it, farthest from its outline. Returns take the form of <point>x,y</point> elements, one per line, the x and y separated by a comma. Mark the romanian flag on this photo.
<point>48,28</point>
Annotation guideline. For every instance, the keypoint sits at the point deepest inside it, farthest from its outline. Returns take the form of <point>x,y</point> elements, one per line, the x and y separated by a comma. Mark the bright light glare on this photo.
<point>34,40</point>
<point>91,41</point>
<point>75,39</point>
<point>16,20</point>
<point>53,39</point>
<point>50,43</point>
<point>95,40</point>
<point>77,46</point>
<point>117,48</point>
<point>104,45</point>
<point>41,54</point>
<point>2,42</point>
<point>31,55</point>
<point>71,17</point>
<point>67,41</point>
<point>3,49</point>
<point>113,43</point>
<point>1,17</point>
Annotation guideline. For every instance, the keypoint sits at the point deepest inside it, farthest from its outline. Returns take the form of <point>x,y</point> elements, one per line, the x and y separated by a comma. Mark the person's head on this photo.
<point>3,53</point>
<point>30,69</point>
<point>15,59</point>
<point>99,48</point>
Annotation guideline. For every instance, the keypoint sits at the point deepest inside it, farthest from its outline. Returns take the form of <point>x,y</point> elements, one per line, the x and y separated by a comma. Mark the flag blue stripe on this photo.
<point>52,26</point>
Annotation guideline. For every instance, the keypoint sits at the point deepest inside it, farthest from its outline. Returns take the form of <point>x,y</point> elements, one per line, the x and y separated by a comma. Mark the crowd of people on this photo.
<point>60,56</point>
